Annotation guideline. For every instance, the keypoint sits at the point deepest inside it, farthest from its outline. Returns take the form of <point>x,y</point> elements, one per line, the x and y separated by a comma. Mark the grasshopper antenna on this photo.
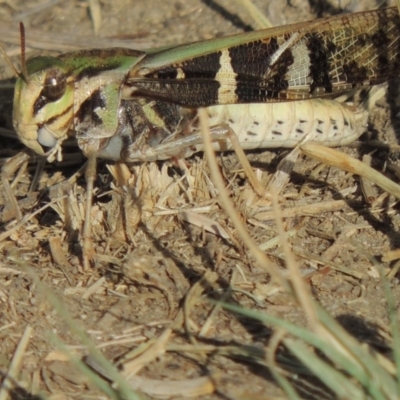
<point>24,71</point>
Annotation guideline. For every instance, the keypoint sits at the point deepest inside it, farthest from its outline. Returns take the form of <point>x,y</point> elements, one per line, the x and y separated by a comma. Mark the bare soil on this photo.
<point>151,255</point>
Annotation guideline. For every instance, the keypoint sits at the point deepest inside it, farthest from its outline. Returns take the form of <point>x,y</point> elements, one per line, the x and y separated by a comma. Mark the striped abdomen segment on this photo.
<point>257,126</point>
<point>286,124</point>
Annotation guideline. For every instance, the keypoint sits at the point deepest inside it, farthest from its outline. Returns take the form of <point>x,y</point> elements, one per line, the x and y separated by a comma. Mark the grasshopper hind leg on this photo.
<point>87,245</point>
<point>178,147</point>
<point>222,136</point>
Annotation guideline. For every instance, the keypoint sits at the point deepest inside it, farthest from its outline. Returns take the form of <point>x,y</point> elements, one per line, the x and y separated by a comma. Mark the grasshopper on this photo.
<point>117,101</point>
<point>128,105</point>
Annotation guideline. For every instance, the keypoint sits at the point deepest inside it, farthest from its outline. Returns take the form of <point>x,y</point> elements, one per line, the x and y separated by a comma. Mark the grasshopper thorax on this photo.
<point>43,105</point>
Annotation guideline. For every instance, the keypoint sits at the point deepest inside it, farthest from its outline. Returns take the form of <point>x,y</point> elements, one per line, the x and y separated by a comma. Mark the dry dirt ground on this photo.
<point>155,266</point>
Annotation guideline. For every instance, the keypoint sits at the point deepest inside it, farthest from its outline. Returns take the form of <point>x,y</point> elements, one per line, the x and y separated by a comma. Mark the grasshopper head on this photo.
<point>43,105</point>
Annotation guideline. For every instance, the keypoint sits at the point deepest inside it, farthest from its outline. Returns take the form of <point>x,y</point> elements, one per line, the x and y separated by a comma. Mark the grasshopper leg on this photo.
<point>87,246</point>
<point>181,147</point>
<point>185,146</point>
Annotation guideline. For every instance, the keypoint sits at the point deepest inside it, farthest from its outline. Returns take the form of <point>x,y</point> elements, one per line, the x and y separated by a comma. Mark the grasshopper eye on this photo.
<point>55,85</point>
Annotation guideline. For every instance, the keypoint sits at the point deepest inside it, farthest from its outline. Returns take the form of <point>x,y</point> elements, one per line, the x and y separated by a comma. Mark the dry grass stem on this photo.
<point>95,13</point>
<point>10,380</point>
<point>229,208</point>
<point>161,389</point>
<point>337,159</point>
<point>259,18</point>
<point>154,351</point>
<point>309,209</point>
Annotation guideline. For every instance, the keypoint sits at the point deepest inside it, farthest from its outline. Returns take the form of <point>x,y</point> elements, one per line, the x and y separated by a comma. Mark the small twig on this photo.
<point>367,189</point>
